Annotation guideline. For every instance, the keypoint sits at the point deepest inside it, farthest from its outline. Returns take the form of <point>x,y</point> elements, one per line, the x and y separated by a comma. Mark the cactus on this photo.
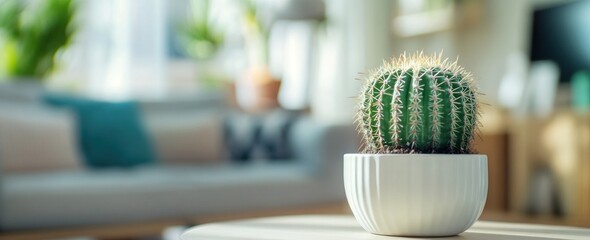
<point>418,104</point>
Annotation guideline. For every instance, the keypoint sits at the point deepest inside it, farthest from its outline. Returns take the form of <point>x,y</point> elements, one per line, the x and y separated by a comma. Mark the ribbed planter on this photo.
<point>421,195</point>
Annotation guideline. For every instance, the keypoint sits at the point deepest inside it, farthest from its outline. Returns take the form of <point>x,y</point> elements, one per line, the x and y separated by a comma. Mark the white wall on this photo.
<point>361,38</point>
<point>482,48</point>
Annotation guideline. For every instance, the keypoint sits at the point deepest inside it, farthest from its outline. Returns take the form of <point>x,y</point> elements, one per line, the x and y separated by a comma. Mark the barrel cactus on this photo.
<point>418,104</point>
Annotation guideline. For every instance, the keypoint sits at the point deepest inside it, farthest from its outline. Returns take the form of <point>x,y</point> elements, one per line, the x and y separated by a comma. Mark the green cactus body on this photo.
<point>418,104</point>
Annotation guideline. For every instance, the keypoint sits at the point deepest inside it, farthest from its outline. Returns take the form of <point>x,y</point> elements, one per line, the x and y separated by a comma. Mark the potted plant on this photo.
<point>256,89</point>
<point>31,35</point>
<point>417,174</point>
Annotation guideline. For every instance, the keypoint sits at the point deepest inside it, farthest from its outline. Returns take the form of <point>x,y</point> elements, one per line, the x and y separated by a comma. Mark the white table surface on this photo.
<point>344,227</point>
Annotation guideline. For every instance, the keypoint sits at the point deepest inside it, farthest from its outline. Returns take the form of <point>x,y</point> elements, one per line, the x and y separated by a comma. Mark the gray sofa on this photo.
<point>85,197</point>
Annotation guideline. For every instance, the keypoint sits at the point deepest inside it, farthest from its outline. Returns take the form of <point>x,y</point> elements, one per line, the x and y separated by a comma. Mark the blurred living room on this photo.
<point>136,119</point>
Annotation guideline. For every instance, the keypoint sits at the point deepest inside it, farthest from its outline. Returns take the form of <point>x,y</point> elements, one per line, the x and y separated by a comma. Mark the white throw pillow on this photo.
<point>33,138</point>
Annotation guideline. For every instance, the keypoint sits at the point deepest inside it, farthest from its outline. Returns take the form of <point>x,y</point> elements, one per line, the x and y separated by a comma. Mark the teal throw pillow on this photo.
<point>110,134</point>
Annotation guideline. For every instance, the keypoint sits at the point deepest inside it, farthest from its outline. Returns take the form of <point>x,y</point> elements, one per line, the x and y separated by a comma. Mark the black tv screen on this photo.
<point>562,34</point>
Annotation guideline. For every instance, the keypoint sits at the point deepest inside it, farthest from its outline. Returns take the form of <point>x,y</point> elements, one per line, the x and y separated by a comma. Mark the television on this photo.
<point>561,33</point>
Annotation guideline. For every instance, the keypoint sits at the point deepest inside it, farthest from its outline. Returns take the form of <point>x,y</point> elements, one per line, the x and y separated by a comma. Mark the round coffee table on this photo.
<point>345,227</point>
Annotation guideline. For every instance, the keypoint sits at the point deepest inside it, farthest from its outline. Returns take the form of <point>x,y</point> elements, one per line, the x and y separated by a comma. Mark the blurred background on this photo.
<point>129,119</point>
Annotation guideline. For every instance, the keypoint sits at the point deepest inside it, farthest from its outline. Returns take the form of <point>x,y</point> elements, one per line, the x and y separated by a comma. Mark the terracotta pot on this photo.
<point>256,90</point>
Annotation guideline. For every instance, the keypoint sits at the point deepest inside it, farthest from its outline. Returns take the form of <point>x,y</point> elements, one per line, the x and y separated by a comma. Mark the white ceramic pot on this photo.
<point>421,195</point>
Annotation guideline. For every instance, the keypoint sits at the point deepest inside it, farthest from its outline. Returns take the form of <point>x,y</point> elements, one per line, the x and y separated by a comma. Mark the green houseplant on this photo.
<point>32,33</point>
<point>256,88</point>
<point>416,174</point>
<point>201,39</point>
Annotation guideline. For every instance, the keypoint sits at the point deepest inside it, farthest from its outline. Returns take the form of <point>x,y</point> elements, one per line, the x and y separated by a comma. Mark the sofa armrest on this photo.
<point>321,146</point>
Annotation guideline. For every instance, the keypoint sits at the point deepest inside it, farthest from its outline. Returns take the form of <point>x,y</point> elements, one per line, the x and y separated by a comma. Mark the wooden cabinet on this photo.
<point>560,144</point>
<point>493,141</point>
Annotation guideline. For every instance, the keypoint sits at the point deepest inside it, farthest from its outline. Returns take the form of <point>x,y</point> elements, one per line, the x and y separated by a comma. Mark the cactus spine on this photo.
<point>418,104</point>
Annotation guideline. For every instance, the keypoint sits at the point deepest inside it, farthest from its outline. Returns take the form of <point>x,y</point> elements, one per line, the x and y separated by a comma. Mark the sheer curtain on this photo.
<point>130,48</point>
<point>120,49</point>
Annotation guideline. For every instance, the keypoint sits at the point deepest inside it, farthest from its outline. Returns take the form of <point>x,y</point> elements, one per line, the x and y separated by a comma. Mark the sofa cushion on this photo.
<point>186,138</point>
<point>264,136</point>
<point>112,196</point>
<point>274,135</point>
<point>110,134</point>
<point>37,139</point>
